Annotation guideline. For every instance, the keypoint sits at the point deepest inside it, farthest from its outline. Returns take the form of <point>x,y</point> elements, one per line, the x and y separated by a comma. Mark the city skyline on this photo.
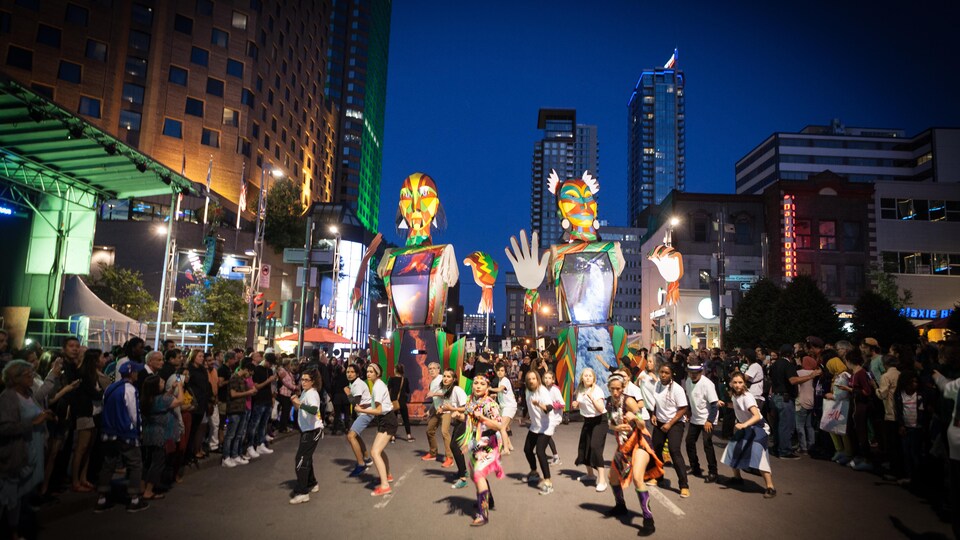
<point>465,112</point>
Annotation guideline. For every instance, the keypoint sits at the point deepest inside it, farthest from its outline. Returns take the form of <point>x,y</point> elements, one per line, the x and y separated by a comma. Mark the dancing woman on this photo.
<point>386,418</point>
<point>541,404</point>
<point>748,447</point>
<point>635,460</point>
<point>590,401</point>
<point>480,439</point>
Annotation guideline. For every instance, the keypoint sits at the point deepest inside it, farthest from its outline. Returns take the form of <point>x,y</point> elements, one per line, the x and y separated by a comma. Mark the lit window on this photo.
<point>136,67</point>
<point>239,21</point>
<point>210,138</point>
<point>89,107</point>
<point>231,117</point>
<point>130,120</point>
<point>133,93</point>
<point>173,128</point>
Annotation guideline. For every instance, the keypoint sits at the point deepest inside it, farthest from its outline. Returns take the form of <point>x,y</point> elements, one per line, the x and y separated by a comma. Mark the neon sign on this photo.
<point>5,211</point>
<point>789,237</point>
<point>914,313</point>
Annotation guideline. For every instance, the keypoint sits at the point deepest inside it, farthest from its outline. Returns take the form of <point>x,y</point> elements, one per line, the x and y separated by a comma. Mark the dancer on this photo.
<point>435,421</point>
<point>382,409</point>
<point>359,394</point>
<point>453,405</point>
<point>540,404</point>
<point>480,438</point>
<point>748,447</point>
<point>400,393</point>
<point>702,395</point>
<point>508,405</point>
<point>669,410</point>
<point>311,431</point>
<point>635,460</point>
<point>556,413</point>
<point>593,434</point>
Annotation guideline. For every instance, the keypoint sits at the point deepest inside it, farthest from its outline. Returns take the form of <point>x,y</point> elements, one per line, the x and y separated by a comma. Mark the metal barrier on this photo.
<point>100,333</point>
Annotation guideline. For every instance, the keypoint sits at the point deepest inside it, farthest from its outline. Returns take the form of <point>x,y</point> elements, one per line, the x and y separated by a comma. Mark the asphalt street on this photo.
<point>815,499</point>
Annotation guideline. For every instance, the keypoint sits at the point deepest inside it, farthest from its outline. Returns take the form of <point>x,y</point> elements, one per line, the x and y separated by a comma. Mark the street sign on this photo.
<point>265,276</point>
<point>241,269</point>
<point>296,256</point>
<point>313,277</point>
<point>742,278</point>
<point>746,286</point>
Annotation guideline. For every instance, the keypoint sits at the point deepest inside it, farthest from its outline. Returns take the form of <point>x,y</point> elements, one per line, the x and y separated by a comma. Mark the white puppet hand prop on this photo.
<point>527,264</point>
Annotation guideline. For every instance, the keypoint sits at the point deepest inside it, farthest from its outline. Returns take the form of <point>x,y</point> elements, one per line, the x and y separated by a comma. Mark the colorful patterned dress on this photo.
<point>627,443</point>
<point>481,442</point>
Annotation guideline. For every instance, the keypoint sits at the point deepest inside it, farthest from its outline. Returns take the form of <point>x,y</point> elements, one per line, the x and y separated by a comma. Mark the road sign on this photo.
<point>749,278</point>
<point>265,276</point>
<point>313,277</point>
<point>241,269</point>
<point>296,256</point>
<point>746,286</point>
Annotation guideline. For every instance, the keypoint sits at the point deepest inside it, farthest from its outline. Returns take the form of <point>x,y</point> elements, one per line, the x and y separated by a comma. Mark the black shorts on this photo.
<point>387,423</point>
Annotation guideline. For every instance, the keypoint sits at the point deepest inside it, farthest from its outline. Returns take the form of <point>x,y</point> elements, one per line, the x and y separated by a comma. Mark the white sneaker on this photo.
<point>240,460</point>
<point>262,449</point>
<point>229,463</point>
<point>315,488</point>
<point>601,487</point>
<point>300,499</point>
<point>252,453</point>
<point>269,438</point>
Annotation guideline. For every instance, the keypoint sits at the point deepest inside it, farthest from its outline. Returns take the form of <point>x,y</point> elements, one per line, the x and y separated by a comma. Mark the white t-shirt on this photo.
<point>700,396</point>
<point>755,375</point>
<point>435,388</point>
<point>505,397</point>
<point>636,393</point>
<point>741,407</point>
<point>307,421</point>
<point>669,399</point>
<point>359,388</point>
<point>458,398</point>
<point>556,415</point>
<point>585,400</point>
<point>539,420</point>
<point>381,395</point>
<point>649,383</point>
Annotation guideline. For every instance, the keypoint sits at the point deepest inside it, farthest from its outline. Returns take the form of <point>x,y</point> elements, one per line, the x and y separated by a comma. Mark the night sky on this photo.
<point>466,81</point>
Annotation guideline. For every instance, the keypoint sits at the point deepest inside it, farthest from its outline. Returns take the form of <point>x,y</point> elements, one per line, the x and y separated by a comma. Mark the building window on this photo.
<point>48,35</point>
<point>130,120</point>
<point>231,117</point>
<point>804,235</point>
<point>76,15</point>
<point>183,24</point>
<point>89,107</point>
<point>19,58</point>
<point>133,93</point>
<point>829,281</point>
<point>214,87</point>
<point>828,235</point>
<point>200,56</point>
<point>219,37</point>
<point>852,281</point>
<point>29,4</point>
<point>239,21</point>
<point>700,229</point>
<point>235,68</point>
<point>252,50</point>
<point>246,97</point>
<point>852,236</point>
<point>139,41</point>
<point>210,138</point>
<point>178,76</point>
<point>173,128</point>
<point>744,233</point>
<point>4,22</point>
<point>141,14</point>
<point>96,50</point>
<point>205,7</point>
<point>194,107</point>
<point>136,67</point>
<point>69,72</point>
<point>43,90</point>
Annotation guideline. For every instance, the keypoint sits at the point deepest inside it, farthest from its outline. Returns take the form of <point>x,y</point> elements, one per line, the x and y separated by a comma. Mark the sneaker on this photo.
<point>459,484</point>
<point>141,504</point>
<point>269,438</point>
<point>252,453</point>
<point>240,460</point>
<point>710,479</point>
<point>862,465</point>
<point>358,470</point>
<point>380,491</point>
<point>389,478</point>
<point>315,488</point>
<point>102,506</point>
<point>367,462</point>
<point>684,493</point>
<point>652,482</point>
<point>262,449</point>
<point>429,457</point>
<point>228,463</point>
<point>300,499</point>
<point>844,460</point>
<point>447,463</point>
<point>546,489</point>
<point>601,488</point>
<point>790,456</point>
<point>555,460</point>
<point>534,476</point>
<point>409,438</point>
<point>769,493</point>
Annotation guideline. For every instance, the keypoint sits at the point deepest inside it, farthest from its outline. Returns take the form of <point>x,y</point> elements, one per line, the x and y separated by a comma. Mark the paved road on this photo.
<point>816,499</point>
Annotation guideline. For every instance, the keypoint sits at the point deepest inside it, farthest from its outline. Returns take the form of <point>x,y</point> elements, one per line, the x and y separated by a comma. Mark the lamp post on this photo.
<point>170,247</point>
<point>536,328</point>
<point>336,275</point>
<point>668,240</point>
<point>261,218</point>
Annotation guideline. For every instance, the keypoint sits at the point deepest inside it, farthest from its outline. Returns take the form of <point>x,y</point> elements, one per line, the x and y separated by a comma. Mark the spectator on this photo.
<point>886,391</point>
<point>65,379</point>
<point>805,400</point>
<point>262,401</point>
<point>237,414</point>
<point>287,387</point>
<point>836,411</point>
<point>89,392</point>
<point>133,351</point>
<point>784,380</point>
<point>912,413</point>
<point>156,405</point>
<point>950,356</point>
<point>862,387</point>
<point>211,440</point>
<point>198,385</point>
<point>121,435</point>
<point>754,376</point>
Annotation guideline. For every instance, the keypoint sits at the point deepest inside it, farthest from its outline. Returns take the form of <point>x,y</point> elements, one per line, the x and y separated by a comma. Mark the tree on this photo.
<point>123,290</point>
<point>752,319</point>
<point>885,284</point>
<point>953,321</point>
<point>221,302</point>
<point>875,316</point>
<point>285,221</point>
<point>803,310</point>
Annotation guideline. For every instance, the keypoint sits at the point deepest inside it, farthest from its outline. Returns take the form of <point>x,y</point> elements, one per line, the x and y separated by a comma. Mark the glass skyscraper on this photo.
<point>656,136</point>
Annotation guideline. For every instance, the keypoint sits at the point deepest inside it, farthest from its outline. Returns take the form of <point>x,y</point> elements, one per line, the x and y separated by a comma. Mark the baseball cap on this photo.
<point>694,366</point>
<point>129,367</point>
<point>871,342</point>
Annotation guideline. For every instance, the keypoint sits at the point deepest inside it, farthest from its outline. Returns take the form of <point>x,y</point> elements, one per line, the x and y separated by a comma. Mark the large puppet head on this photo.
<point>578,207</point>
<point>419,207</point>
<point>485,271</point>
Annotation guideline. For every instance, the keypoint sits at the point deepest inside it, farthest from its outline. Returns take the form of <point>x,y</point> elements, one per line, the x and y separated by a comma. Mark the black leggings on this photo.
<point>155,459</point>
<point>553,447</point>
<point>456,431</point>
<point>405,414</point>
<point>540,442</point>
<point>672,438</point>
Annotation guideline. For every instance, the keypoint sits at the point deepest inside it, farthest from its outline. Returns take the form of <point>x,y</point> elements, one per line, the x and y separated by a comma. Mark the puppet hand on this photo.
<point>529,267</point>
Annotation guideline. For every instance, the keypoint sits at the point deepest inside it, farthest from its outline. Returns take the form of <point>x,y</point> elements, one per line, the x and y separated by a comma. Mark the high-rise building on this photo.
<point>626,306</point>
<point>858,154</point>
<point>357,83</point>
<point>656,138</point>
<point>567,147</point>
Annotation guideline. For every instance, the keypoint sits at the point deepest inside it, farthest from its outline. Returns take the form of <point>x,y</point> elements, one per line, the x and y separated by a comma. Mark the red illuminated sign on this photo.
<point>789,237</point>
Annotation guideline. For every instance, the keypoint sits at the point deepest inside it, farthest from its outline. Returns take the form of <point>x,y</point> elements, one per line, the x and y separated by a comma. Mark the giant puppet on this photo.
<point>584,271</point>
<point>416,277</point>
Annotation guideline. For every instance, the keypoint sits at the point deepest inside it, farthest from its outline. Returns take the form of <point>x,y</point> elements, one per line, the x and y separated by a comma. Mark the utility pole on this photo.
<point>721,275</point>
<point>306,285</point>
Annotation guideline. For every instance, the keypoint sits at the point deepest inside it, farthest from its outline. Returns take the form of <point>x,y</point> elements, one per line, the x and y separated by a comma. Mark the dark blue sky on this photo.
<point>466,80</point>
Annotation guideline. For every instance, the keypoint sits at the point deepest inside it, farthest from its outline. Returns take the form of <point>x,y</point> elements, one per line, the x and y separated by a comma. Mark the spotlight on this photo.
<point>142,166</point>
<point>110,149</point>
<point>166,179</point>
<point>160,229</point>
<point>76,132</point>
<point>35,114</point>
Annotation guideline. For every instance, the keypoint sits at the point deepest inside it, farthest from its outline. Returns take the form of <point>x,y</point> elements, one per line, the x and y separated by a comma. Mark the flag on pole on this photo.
<point>672,62</point>
<point>206,202</point>
<point>262,205</point>
<point>183,173</point>
<point>242,201</point>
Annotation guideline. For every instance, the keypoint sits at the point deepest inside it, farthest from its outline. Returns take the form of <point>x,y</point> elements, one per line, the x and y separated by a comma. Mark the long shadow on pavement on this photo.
<point>913,535</point>
<point>602,509</point>
<point>458,505</point>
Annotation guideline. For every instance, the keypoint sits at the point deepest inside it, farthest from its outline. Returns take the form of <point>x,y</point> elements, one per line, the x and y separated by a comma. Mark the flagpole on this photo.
<point>242,199</point>
<point>183,173</point>
<point>206,201</point>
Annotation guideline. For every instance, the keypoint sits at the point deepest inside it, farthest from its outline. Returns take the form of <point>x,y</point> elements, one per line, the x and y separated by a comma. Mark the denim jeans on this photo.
<point>805,432</point>
<point>257,427</point>
<point>235,426</point>
<point>786,422</point>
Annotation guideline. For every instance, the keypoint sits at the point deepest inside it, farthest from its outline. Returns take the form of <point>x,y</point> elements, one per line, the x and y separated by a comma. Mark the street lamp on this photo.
<point>336,271</point>
<point>261,218</point>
